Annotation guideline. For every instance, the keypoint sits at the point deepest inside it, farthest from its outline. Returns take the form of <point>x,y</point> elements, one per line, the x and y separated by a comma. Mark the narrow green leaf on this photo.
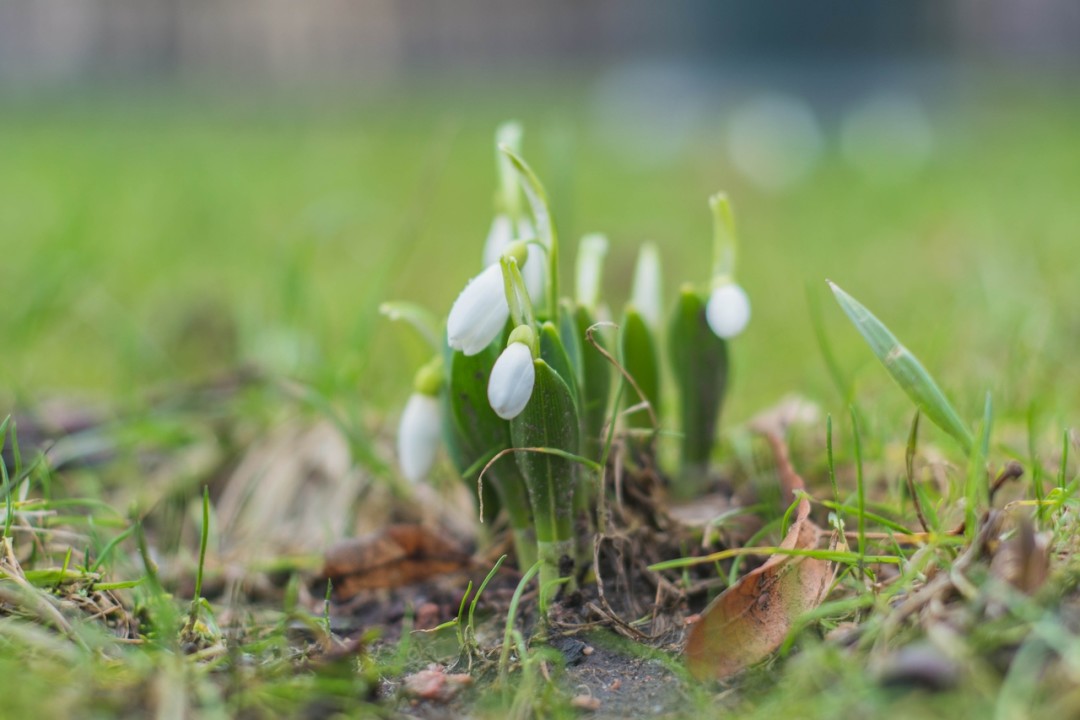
<point>573,341</point>
<point>905,369</point>
<point>860,485</point>
<point>420,318</point>
<point>595,385</point>
<point>641,360</point>
<point>976,489</point>
<point>699,361</point>
<point>545,228</point>
<point>554,353</point>
<point>473,431</point>
<point>549,421</point>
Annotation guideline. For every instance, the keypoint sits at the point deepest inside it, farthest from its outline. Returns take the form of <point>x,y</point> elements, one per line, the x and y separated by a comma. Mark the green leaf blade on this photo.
<point>641,359</point>
<point>473,431</point>
<point>905,369</point>
<point>596,385</point>
<point>550,420</point>
<point>699,362</point>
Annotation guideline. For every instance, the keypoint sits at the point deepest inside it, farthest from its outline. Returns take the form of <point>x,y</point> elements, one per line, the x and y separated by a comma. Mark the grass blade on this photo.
<point>905,369</point>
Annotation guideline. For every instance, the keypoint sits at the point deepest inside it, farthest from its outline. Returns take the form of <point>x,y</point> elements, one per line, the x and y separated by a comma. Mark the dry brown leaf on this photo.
<point>750,619</point>
<point>396,555</point>
<point>1024,559</point>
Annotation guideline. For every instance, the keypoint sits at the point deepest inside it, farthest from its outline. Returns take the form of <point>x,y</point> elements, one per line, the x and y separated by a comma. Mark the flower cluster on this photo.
<point>525,393</point>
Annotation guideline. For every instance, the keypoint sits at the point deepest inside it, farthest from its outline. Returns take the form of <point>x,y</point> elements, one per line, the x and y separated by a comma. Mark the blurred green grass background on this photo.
<point>146,244</point>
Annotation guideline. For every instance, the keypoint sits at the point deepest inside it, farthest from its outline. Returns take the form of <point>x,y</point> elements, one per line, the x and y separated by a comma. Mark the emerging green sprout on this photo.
<point>521,392</point>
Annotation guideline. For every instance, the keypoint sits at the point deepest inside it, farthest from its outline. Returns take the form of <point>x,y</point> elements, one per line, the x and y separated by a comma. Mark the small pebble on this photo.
<point>434,684</point>
<point>919,665</point>
<point>573,650</point>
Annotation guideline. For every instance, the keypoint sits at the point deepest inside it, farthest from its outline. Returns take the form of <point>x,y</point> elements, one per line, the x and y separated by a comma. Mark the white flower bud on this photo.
<point>728,310</point>
<point>646,294</point>
<point>479,313</point>
<point>511,383</point>
<point>418,436</point>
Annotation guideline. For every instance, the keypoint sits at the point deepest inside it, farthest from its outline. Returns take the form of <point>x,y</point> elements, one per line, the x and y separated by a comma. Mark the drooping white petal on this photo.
<point>499,237</point>
<point>646,294</point>
<point>728,310</point>
<point>479,313</point>
<point>418,436</point>
<point>511,383</point>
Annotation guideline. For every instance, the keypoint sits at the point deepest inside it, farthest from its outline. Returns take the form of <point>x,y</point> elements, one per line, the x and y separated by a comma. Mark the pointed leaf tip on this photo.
<point>905,369</point>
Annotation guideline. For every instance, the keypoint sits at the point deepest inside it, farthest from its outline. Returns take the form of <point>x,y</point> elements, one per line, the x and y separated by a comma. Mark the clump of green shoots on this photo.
<point>521,389</point>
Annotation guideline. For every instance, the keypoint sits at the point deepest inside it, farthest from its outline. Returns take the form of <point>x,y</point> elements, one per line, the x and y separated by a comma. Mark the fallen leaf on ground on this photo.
<point>1024,559</point>
<point>396,555</point>
<point>751,618</point>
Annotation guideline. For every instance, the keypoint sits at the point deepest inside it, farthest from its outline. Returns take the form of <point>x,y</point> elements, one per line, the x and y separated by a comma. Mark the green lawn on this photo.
<point>127,231</point>
<point>149,244</point>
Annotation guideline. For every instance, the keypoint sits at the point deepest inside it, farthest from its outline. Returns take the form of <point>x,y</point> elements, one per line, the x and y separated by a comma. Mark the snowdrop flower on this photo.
<point>513,376</point>
<point>420,429</point>
<point>501,236</point>
<point>418,436</point>
<point>728,310</point>
<point>480,311</point>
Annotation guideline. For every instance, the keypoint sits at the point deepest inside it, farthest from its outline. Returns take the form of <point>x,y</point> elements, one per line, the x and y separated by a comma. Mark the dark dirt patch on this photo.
<point>625,685</point>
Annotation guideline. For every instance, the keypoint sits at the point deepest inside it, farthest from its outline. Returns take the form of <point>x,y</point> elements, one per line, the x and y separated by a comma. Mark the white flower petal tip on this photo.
<point>511,383</point>
<point>418,436</point>
<point>728,310</point>
<point>479,313</point>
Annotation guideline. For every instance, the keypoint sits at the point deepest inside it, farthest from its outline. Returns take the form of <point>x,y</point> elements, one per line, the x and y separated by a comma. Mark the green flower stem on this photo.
<point>545,228</point>
<point>524,546</point>
<point>550,555</point>
<point>513,298</point>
